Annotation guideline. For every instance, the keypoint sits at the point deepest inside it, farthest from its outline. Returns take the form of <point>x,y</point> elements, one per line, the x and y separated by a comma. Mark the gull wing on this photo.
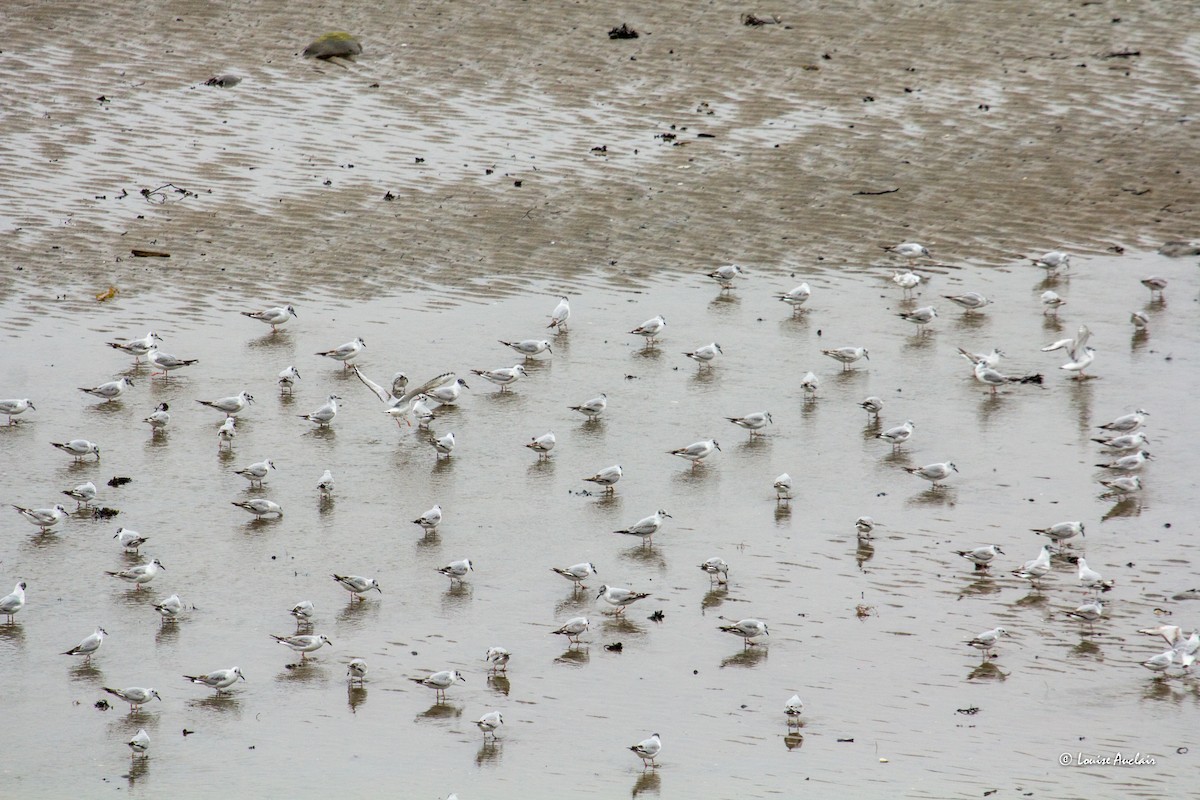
<point>429,385</point>
<point>380,392</point>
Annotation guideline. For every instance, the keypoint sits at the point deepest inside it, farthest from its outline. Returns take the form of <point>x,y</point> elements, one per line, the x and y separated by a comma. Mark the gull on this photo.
<point>357,670</point>
<point>971,301</point>
<point>620,598</point>
<point>325,414</point>
<point>647,527</point>
<point>1172,634</point>
<point>793,708</point>
<point>142,573</point>
<point>421,412</point>
<point>169,608</point>
<point>560,315</point>
<point>907,250</point>
<point>864,526</point>
<point>847,355</point>
<point>748,629</point>
<point>810,383</point>
<point>906,280</point>
<point>440,681</point>
<point>648,749</point>
<point>542,445</point>
<point>986,641</point>
<point>502,377</point>
<point>159,418</point>
<point>88,647</point>
<point>1130,463</point>
<point>232,406</point>
<point>219,680</point>
<point>303,643</point>
<point>109,391</point>
<point>135,696</point>
<point>272,316</point>
<point>717,569</point>
<point>137,347</point>
<point>993,379</point>
<point>257,471</point>
<point>79,448</point>
<point>1061,531</point>
<point>920,317</point>
<point>725,275</point>
<point>796,298</point>
<point>1139,320</point>
<point>44,518</point>
<point>1127,423</point>
<point>577,573</point>
<point>705,354</point>
<point>1122,487</point>
<point>989,360</point>
<point>357,585</point>
<point>783,487</point>
<point>260,507</point>
<point>430,519</point>
<point>345,353</point>
<point>1052,303</point>
<point>167,363</point>
<point>13,407</point>
<point>1035,569</point>
<point>140,742</point>
<point>1155,284</point>
<point>1084,361</point>
<point>1074,346</point>
<point>325,485</point>
<point>650,329</point>
<point>443,445</point>
<point>400,397</point>
<point>457,570</point>
<point>130,540</point>
<point>448,395</point>
<point>10,604</point>
<point>1128,441</point>
<point>981,557</point>
<point>872,405</point>
<point>592,408</point>
<point>287,379</point>
<point>1189,645</point>
<point>226,432</point>
<point>697,451</point>
<point>304,611</point>
<point>498,657</point>
<point>607,477</point>
<point>1088,612</point>
<point>573,629</point>
<point>1090,579</point>
<point>897,435</point>
<point>753,422</point>
<point>1052,261</point>
<point>489,722</point>
<point>83,494</point>
<point>529,347</point>
<point>1161,662</point>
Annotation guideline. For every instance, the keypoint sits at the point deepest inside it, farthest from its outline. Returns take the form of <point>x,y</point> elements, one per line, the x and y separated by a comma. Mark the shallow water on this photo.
<point>462,258</point>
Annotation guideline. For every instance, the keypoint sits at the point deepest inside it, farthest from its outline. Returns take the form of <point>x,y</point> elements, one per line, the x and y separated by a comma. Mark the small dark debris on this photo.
<point>289,666</point>
<point>101,705</point>
<point>186,732</point>
<point>657,616</point>
<point>706,136</point>
<point>868,99</point>
<point>601,150</point>
<point>488,171</point>
<point>389,197</point>
<point>119,481</point>
<point>844,741</point>
<point>615,647</point>
<point>102,99</point>
<point>223,81</point>
<point>517,184</point>
<point>328,182</point>
<point>990,792</point>
<point>105,513</point>
<point>970,712</point>
<point>755,21</point>
<point>251,747</point>
<point>1181,750</point>
<point>373,86</point>
<point>419,160</point>
<point>631,377</point>
<point>623,32</point>
<point>1123,54</point>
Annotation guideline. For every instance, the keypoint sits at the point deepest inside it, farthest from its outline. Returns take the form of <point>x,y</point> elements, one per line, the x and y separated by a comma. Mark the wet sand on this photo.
<point>461,258</point>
